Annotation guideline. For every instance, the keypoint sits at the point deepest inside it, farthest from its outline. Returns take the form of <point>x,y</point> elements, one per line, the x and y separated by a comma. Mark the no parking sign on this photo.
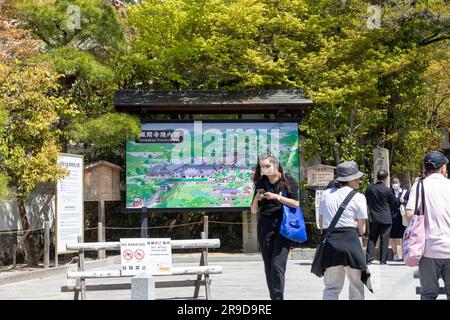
<point>146,255</point>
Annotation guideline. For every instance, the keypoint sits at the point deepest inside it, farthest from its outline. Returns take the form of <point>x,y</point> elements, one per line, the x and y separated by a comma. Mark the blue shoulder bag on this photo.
<point>293,225</point>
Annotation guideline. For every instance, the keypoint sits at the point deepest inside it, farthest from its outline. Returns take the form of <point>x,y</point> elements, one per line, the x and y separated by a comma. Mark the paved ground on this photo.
<point>241,280</point>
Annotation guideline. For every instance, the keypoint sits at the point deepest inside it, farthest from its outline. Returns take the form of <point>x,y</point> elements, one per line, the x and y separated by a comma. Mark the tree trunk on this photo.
<point>31,257</point>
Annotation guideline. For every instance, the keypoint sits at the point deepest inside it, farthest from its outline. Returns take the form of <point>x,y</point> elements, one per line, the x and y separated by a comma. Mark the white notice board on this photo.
<point>69,202</point>
<point>316,203</point>
<point>145,255</point>
<point>160,255</point>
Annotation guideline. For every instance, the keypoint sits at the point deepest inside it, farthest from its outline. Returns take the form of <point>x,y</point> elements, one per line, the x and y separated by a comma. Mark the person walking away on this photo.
<point>271,184</point>
<point>397,229</point>
<point>343,253</point>
<point>435,262</point>
<point>380,201</point>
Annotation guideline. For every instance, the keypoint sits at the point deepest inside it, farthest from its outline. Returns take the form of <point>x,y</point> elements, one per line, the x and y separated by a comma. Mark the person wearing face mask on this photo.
<point>397,229</point>
<point>273,189</point>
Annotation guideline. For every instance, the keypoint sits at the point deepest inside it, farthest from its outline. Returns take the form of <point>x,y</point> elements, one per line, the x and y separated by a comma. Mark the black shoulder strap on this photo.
<point>422,204</point>
<point>340,211</point>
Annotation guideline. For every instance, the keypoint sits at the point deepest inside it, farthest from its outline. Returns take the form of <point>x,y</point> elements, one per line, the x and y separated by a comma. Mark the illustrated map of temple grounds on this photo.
<point>203,164</point>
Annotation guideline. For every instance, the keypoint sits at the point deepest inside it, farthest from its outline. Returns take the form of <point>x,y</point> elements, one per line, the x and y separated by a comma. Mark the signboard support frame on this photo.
<point>249,232</point>
<point>144,223</point>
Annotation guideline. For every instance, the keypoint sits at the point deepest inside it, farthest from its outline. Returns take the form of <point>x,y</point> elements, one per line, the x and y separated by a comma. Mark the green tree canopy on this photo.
<point>30,143</point>
<point>365,78</point>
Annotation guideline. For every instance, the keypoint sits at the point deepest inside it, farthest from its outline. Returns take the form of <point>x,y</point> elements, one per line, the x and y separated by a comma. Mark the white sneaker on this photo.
<point>396,257</point>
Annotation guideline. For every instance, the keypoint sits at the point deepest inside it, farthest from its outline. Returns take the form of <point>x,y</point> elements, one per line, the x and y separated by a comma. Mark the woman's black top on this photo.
<point>273,207</point>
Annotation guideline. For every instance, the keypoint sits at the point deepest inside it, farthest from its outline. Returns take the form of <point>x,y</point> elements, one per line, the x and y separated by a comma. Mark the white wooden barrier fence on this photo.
<point>203,270</point>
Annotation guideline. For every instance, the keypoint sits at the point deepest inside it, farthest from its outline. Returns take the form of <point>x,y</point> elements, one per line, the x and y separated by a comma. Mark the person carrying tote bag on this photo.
<point>429,230</point>
<point>414,237</point>
<point>270,181</point>
<point>403,202</point>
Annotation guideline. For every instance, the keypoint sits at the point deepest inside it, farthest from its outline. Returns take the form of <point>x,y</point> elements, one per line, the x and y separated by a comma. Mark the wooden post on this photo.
<point>100,238</point>
<point>205,255</point>
<point>205,225</point>
<point>56,252</point>
<point>203,260</point>
<point>186,229</point>
<point>81,268</point>
<point>14,255</point>
<point>144,223</point>
<point>46,244</point>
<point>101,218</point>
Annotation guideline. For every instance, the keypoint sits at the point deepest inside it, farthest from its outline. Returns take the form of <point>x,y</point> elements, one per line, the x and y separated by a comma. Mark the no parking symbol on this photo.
<point>128,254</point>
<point>139,254</point>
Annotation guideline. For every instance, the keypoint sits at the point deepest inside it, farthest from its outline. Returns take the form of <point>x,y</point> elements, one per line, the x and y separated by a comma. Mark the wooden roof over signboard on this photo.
<point>211,101</point>
<point>102,162</point>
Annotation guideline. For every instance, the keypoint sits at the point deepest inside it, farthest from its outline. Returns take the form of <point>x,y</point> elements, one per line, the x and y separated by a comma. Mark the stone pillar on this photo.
<point>143,287</point>
<point>249,232</point>
<point>381,162</point>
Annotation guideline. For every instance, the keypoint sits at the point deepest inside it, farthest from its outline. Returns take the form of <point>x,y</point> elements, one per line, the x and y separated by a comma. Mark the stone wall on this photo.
<point>10,223</point>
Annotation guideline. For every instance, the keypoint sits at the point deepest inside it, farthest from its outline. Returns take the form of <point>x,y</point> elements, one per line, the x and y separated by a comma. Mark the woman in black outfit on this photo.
<point>398,229</point>
<point>278,189</point>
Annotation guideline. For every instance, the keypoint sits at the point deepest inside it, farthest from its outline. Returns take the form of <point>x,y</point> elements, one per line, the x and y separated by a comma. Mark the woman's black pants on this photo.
<point>274,250</point>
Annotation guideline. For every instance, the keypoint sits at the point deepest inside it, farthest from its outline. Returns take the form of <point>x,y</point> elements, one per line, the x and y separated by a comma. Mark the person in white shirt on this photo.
<point>343,253</point>
<point>435,261</point>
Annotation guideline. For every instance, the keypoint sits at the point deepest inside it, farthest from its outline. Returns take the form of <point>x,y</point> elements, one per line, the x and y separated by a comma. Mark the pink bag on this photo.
<point>414,236</point>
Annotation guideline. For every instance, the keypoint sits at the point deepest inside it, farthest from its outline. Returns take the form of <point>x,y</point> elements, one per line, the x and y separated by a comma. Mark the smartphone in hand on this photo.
<point>261,192</point>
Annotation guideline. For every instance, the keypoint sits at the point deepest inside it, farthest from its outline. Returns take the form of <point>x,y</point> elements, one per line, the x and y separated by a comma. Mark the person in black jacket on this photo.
<point>380,202</point>
<point>273,189</point>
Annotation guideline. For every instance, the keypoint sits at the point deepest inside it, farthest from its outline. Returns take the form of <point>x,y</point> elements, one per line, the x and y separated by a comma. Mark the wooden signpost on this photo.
<point>102,183</point>
<point>319,176</point>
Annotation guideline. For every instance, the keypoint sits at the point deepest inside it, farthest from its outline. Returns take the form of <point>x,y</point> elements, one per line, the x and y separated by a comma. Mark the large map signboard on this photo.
<point>203,164</point>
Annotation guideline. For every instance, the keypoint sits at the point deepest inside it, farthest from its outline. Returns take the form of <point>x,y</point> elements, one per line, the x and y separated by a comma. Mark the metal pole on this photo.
<point>144,223</point>
<point>46,244</point>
